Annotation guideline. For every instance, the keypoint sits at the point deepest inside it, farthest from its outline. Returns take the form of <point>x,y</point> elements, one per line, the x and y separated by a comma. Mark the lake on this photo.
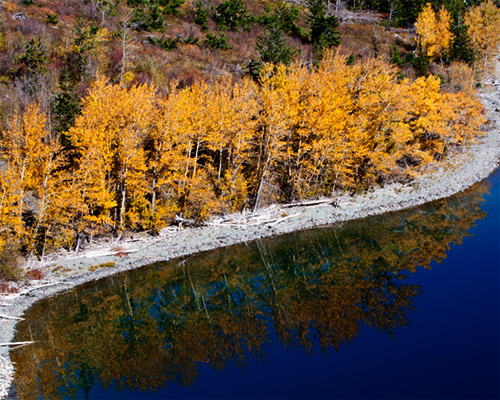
<point>403,305</point>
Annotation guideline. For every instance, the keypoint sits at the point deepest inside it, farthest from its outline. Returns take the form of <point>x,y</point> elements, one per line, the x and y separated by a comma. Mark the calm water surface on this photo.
<point>404,305</point>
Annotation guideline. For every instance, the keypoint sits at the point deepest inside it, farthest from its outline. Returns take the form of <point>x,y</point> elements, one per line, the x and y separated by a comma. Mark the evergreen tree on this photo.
<point>66,106</point>
<point>286,16</point>
<point>323,27</point>
<point>232,14</point>
<point>34,58</point>
<point>215,42</point>
<point>395,56</point>
<point>273,48</point>
<point>406,11</point>
<point>457,8</point>
<point>461,46</point>
<point>201,18</point>
<point>254,67</point>
<point>51,19</point>
<point>150,14</point>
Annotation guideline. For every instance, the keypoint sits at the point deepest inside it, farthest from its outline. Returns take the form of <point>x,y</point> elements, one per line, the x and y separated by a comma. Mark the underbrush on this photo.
<point>10,269</point>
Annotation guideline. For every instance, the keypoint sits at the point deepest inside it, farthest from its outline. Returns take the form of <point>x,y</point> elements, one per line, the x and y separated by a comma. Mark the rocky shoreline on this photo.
<point>66,270</point>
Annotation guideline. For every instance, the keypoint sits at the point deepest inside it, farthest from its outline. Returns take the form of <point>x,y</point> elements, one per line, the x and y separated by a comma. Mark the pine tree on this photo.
<point>34,58</point>
<point>461,47</point>
<point>422,61</point>
<point>323,27</point>
<point>201,18</point>
<point>286,16</point>
<point>406,11</point>
<point>65,106</point>
<point>273,48</point>
<point>232,14</point>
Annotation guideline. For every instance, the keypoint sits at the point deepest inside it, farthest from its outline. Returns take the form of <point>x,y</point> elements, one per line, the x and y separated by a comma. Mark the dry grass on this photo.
<point>457,77</point>
<point>103,265</point>
<point>7,288</point>
<point>34,274</point>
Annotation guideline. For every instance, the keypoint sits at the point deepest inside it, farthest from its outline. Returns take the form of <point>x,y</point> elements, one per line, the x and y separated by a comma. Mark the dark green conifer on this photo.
<point>201,18</point>
<point>34,59</point>
<point>66,105</point>
<point>323,27</point>
<point>232,14</point>
<point>287,16</point>
<point>150,14</point>
<point>405,12</point>
<point>273,48</point>
<point>395,55</point>
<point>461,47</point>
<point>215,42</point>
<point>51,19</point>
<point>421,61</point>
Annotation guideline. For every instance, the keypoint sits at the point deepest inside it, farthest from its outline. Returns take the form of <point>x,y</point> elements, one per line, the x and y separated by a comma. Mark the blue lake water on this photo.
<point>404,305</point>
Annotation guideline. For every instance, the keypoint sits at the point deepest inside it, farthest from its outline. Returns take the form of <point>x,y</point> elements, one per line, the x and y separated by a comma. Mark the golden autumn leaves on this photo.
<point>433,30</point>
<point>434,33</point>
<point>139,156</point>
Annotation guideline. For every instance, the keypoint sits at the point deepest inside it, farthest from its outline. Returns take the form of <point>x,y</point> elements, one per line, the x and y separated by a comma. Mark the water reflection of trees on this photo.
<point>315,290</point>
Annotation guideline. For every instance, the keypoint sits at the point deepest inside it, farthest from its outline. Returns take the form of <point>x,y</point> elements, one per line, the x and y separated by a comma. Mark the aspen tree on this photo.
<point>165,150</point>
<point>35,182</point>
<point>109,136</point>
<point>273,123</point>
<point>484,31</point>
<point>433,30</point>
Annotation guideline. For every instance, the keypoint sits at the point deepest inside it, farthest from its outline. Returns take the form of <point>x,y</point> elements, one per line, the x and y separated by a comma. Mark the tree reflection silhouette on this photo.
<point>145,328</point>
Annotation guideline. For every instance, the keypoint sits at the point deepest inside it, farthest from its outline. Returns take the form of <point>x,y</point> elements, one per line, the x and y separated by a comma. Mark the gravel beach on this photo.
<point>66,270</point>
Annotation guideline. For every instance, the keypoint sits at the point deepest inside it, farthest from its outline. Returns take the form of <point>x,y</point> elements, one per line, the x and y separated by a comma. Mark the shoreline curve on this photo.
<point>69,269</point>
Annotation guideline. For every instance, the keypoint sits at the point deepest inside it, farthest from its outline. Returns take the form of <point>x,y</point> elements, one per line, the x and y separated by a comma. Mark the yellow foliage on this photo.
<point>3,42</point>
<point>33,183</point>
<point>140,158</point>
<point>484,31</point>
<point>127,78</point>
<point>433,31</point>
<point>109,136</point>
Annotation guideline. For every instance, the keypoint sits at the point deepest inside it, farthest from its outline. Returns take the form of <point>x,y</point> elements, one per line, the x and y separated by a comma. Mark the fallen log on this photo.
<point>189,222</point>
<point>9,317</point>
<point>15,344</point>
<point>109,253</point>
<point>326,202</point>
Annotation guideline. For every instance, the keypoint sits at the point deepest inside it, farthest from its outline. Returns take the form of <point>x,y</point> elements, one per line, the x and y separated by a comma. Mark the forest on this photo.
<point>119,116</point>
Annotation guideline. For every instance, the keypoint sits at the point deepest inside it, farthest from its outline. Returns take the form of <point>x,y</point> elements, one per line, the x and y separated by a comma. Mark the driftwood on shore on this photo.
<point>9,317</point>
<point>110,253</point>
<point>325,202</point>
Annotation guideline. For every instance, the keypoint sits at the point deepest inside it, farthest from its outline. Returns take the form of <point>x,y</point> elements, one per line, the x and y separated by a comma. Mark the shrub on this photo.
<point>34,274</point>
<point>7,287</point>
<point>201,18</point>
<point>51,19</point>
<point>215,42</point>
<point>9,261</point>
